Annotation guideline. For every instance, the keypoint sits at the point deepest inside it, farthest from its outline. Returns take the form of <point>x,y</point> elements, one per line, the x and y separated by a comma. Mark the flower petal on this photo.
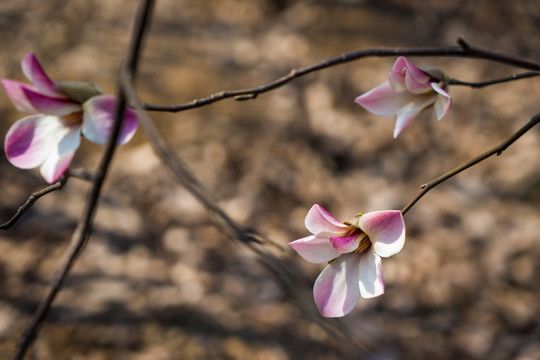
<point>405,74</point>
<point>99,118</point>
<point>370,279</point>
<point>34,72</point>
<point>336,290</point>
<point>61,154</point>
<point>49,105</point>
<point>386,230</point>
<point>29,140</point>
<point>14,91</point>
<point>443,103</point>
<point>314,249</point>
<point>320,221</point>
<point>345,244</point>
<point>383,100</point>
<point>408,112</point>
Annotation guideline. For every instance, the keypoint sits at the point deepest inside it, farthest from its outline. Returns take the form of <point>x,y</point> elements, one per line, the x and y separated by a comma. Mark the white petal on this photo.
<point>29,140</point>
<point>383,100</point>
<point>409,111</point>
<point>319,221</point>
<point>370,279</point>
<point>386,230</point>
<point>443,103</point>
<point>60,156</point>
<point>336,290</point>
<point>314,249</point>
<point>99,119</point>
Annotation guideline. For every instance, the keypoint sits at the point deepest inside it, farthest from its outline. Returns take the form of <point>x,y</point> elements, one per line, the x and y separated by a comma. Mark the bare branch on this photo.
<point>464,50</point>
<point>496,150</point>
<point>481,84</point>
<point>32,199</point>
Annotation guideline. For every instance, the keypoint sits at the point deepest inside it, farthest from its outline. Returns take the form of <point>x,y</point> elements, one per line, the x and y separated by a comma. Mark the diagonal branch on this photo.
<point>463,50</point>
<point>32,199</point>
<point>498,150</point>
<point>84,226</point>
<point>35,196</point>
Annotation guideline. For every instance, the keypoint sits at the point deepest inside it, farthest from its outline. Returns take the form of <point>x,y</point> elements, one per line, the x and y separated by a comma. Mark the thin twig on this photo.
<point>477,85</point>
<point>463,50</point>
<point>32,199</point>
<point>496,150</point>
<point>81,233</point>
<point>35,196</point>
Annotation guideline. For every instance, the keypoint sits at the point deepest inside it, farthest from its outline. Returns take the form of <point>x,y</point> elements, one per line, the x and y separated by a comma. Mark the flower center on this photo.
<point>74,118</point>
<point>365,244</point>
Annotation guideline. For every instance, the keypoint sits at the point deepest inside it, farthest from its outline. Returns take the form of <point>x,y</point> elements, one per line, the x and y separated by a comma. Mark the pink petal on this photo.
<point>320,221</point>
<point>60,156</point>
<point>443,103</point>
<point>316,250</point>
<point>405,74</point>
<point>14,91</point>
<point>34,72</point>
<point>408,112</point>
<point>336,290</point>
<point>386,230</point>
<point>49,105</point>
<point>99,118</point>
<point>29,140</point>
<point>346,244</point>
<point>370,279</point>
<point>383,100</point>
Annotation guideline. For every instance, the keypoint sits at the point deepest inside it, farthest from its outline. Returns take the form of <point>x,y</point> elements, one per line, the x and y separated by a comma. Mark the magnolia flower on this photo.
<point>407,92</point>
<point>353,250</point>
<point>61,111</point>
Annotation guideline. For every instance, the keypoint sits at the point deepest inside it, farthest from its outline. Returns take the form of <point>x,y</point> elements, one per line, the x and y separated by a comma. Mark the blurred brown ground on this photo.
<point>157,281</point>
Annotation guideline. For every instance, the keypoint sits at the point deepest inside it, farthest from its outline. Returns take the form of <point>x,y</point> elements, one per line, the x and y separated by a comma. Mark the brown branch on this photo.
<point>82,232</point>
<point>35,196</point>
<point>32,199</point>
<point>481,84</point>
<point>463,50</point>
<point>498,150</point>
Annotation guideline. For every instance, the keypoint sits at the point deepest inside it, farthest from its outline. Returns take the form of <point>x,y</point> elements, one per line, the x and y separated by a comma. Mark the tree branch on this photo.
<point>513,77</point>
<point>464,50</point>
<point>496,150</point>
<point>32,199</point>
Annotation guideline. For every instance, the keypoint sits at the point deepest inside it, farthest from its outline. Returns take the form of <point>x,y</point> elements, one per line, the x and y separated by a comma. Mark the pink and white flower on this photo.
<point>408,91</point>
<point>61,111</point>
<point>353,250</point>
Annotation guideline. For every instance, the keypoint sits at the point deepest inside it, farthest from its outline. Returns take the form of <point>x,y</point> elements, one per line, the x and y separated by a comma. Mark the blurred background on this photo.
<point>157,281</point>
